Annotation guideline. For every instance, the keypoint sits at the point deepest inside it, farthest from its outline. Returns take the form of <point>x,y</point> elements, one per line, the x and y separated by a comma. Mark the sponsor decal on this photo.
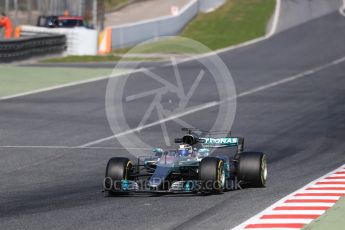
<point>221,141</point>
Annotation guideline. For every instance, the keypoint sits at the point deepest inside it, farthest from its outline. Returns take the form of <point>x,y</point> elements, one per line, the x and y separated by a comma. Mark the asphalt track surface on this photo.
<point>299,124</point>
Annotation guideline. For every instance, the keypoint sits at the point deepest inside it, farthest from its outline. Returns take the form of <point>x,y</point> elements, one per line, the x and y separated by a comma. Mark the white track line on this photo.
<point>294,210</point>
<point>334,179</point>
<point>342,9</point>
<point>288,221</point>
<point>67,85</point>
<point>213,104</point>
<point>302,212</point>
<point>316,204</point>
<point>173,117</point>
<point>324,191</point>
<point>333,185</point>
<point>338,175</point>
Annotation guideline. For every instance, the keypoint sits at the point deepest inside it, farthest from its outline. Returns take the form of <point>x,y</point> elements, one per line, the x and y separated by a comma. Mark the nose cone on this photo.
<point>159,176</point>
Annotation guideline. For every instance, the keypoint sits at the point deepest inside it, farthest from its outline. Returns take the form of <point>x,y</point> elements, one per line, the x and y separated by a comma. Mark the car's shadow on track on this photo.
<point>142,195</point>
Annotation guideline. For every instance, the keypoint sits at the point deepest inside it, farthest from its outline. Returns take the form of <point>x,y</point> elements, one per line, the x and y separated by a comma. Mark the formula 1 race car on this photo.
<point>202,163</point>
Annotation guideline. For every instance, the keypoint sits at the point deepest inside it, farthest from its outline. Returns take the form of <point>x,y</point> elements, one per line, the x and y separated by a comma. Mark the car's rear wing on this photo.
<point>223,142</point>
<point>212,139</point>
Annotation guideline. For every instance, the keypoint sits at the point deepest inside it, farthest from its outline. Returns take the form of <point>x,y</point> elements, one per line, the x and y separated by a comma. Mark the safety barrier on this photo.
<point>209,5</point>
<point>24,48</point>
<point>80,41</point>
<point>133,33</point>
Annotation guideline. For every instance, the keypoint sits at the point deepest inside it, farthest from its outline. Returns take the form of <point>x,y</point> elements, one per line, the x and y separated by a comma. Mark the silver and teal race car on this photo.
<point>202,163</point>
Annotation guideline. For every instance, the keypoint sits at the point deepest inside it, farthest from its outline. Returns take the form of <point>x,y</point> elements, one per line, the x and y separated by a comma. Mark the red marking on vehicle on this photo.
<point>290,216</point>
<point>291,225</point>
<point>286,208</point>
<point>340,173</point>
<point>310,201</point>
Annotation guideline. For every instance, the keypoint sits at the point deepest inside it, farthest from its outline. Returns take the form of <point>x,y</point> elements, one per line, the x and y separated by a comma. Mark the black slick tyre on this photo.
<point>212,175</point>
<point>252,168</point>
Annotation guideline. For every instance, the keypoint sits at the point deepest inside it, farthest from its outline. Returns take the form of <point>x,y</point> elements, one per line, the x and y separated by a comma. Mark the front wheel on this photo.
<point>252,168</point>
<point>118,169</point>
<point>212,174</point>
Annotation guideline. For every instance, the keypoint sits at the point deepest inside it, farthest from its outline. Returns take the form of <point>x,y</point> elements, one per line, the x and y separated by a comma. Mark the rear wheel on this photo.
<point>252,168</point>
<point>118,169</point>
<point>212,174</point>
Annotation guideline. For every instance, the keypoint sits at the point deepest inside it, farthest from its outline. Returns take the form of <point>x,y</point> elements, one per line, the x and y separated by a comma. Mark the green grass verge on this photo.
<point>333,219</point>
<point>113,4</point>
<point>171,45</point>
<point>233,23</point>
<point>15,80</point>
<point>96,58</point>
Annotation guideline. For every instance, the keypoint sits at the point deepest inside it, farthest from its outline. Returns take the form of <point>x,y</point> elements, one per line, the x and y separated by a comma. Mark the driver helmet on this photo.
<point>184,150</point>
